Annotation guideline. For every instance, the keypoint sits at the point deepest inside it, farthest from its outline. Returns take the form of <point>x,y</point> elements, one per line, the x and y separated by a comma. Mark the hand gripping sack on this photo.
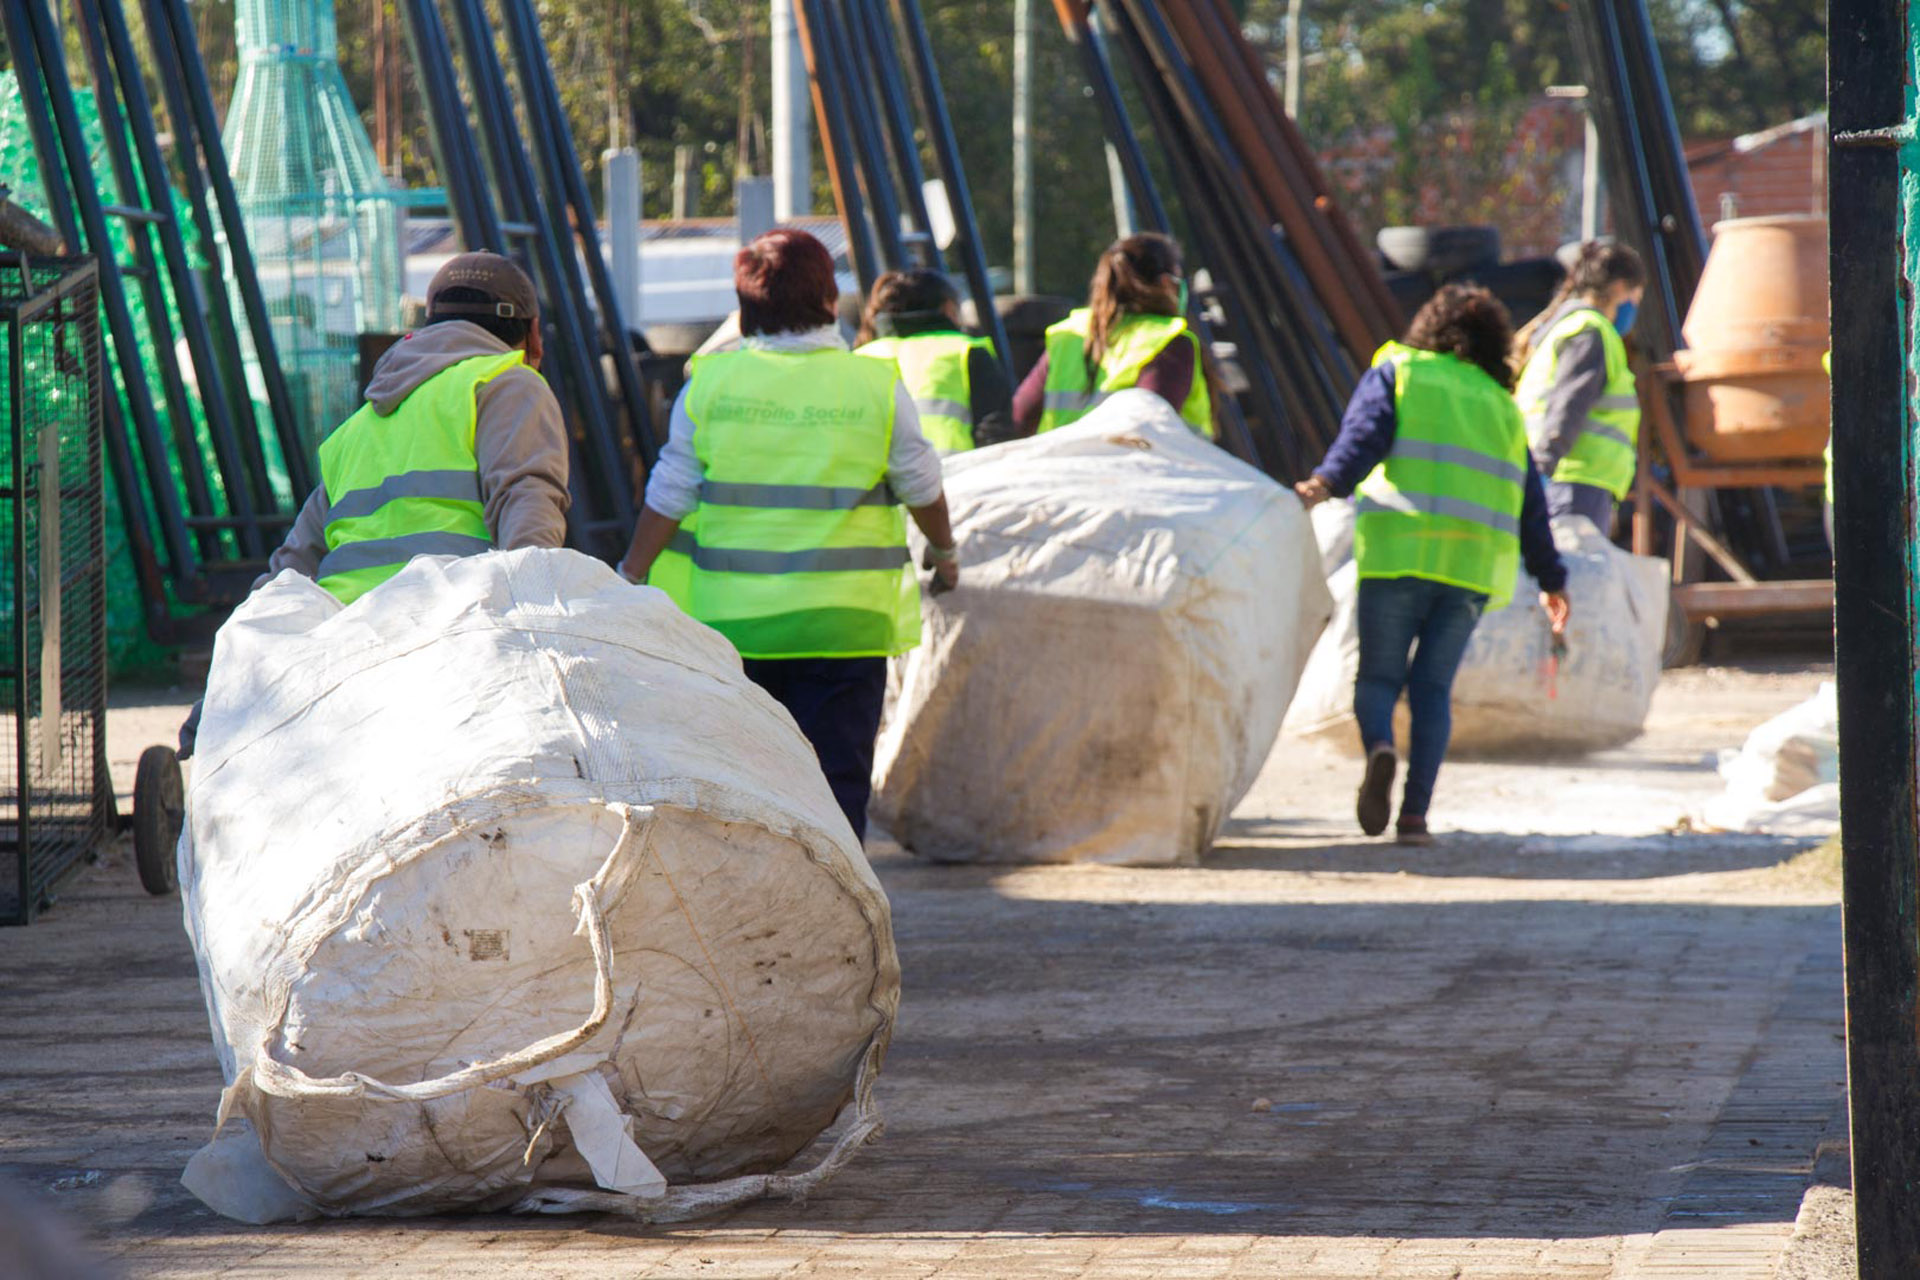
<point>1506,699</point>
<point>509,890</point>
<point>1135,606</point>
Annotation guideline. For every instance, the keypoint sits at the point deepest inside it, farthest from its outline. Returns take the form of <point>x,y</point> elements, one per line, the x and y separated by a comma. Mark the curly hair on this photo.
<point>1467,321</point>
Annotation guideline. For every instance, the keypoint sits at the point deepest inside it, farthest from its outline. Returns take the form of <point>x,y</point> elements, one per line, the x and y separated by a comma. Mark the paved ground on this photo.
<point>1581,1047</point>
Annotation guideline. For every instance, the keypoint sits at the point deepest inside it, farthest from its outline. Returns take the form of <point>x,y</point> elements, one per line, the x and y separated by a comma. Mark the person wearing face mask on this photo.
<point>913,319</point>
<point>1576,391</point>
<point>1133,332</point>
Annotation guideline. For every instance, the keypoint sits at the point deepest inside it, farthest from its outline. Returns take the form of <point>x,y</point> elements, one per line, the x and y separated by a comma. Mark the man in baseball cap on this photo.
<point>459,448</point>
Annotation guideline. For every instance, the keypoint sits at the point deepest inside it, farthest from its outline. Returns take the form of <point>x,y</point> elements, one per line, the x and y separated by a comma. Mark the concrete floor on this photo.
<point>1564,1042</point>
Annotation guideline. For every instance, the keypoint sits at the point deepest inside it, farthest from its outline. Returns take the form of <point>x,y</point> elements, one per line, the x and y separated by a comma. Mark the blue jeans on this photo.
<point>1395,616</point>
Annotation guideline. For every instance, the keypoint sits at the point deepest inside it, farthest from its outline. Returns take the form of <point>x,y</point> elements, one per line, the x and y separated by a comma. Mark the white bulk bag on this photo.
<point>1785,779</point>
<point>1503,699</point>
<point>509,890</point>
<point>1134,610</point>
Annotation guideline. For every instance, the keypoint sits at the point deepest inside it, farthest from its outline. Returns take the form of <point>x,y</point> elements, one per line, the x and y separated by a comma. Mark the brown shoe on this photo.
<point>1375,801</point>
<point>1412,830</point>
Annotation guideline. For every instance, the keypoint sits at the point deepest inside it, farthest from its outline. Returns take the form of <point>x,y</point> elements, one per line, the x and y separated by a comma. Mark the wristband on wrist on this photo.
<point>943,555</point>
<point>621,569</point>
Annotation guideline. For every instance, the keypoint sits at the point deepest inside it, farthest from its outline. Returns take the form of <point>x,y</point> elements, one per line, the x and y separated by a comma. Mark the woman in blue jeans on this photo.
<point>1448,505</point>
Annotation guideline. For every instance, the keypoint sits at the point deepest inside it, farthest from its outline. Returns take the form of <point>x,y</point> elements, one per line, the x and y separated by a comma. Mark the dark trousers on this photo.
<point>1434,622</point>
<point>836,702</point>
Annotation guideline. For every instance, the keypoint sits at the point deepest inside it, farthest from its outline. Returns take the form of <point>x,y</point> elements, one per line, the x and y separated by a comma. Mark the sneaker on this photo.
<point>1412,829</point>
<point>1376,790</point>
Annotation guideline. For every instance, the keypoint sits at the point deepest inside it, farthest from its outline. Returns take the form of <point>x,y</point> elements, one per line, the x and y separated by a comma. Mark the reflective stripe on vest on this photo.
<point>1131,347</point>
<point>798,548</point>
<point>407,483</point>
<point>1605,452</point>
<point>933,366</point>
<point>1445,505</point>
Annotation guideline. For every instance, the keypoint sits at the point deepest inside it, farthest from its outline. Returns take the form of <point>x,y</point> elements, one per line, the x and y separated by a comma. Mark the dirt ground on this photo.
<point>1566,1042</point>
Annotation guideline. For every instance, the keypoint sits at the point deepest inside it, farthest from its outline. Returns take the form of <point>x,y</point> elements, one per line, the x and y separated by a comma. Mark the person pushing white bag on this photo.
<point>509,891</point>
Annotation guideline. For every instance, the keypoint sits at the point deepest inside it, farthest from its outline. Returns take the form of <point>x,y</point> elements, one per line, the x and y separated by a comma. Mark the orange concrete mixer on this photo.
<point>1755,390</point>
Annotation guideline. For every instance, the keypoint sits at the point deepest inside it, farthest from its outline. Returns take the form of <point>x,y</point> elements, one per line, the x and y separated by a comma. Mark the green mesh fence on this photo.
<point>130,650</point>
<point>323,222</point>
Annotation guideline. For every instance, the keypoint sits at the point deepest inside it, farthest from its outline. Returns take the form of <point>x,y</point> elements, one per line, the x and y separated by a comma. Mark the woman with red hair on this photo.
<point>774,513</point>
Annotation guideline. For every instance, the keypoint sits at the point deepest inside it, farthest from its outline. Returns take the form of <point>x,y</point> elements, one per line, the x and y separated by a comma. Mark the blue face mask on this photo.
<point>1183,295</point>
<point>1624,317</point>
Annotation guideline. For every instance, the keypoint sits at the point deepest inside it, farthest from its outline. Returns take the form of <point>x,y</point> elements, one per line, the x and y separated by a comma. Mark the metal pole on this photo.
<point>183,76</point>
<point>933,107</point>
<point>792,132</point>
<point>1125,222</point>
<point>242,468</point>
<point>1025,272</point>
<point>685,181</point>
<point>28,40</point>
<point>871,153</point>
<point>1293,59</point>
<point>1590,180</point>
<point>571,204</point>
<point>1871,238</point>
<point>883,49</point>
<point>622,170</point>
<point>835,139</point>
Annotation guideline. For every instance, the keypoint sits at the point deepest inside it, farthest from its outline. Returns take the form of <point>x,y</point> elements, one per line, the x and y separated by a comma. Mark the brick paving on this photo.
<point>1513,1056</point>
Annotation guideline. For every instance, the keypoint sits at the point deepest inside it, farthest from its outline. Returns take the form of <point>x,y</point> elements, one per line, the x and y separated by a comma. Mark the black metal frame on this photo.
<point>538,219</point>
<point>55,646</point>
<point>1875,625</point>
<point>1650,190</point>
<point>1298,373</point>
<point>860,85</point>
<point>193,553</point>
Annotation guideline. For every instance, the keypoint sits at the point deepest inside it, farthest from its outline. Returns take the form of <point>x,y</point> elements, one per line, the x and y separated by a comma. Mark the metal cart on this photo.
<point>56,799</point>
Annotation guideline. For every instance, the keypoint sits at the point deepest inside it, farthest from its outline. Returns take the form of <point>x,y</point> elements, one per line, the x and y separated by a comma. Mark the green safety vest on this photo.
<point>1130,349</point>
<point>1445,505</point>
<point>798,549</point>
<point>407,483</point>
<point>1605,455</point>
<point>934,368</point>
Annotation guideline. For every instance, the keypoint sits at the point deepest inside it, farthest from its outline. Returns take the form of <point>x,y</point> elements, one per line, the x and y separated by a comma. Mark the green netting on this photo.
<point>130,650</point>
<point>323,223</point>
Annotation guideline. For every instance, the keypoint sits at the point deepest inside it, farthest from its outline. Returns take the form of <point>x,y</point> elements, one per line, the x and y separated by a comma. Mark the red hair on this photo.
<point>785,282</point>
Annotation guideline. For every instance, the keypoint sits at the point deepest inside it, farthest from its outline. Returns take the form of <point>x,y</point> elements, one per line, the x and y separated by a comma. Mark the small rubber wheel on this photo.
<point>159,810</point>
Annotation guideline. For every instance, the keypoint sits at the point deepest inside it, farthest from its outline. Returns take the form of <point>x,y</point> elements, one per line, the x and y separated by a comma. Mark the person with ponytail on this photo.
<point>1448,507</point>
<point>1133,332</point>
<point>913,319</point>
<point>1576,391</point>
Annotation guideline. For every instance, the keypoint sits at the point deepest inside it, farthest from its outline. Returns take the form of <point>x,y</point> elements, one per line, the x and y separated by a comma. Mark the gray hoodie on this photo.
<point>519,441</point>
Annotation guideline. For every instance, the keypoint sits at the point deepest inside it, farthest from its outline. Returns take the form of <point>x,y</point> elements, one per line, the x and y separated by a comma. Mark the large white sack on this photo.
<point>1785,779</point>
<point>1503,699</point>
<point>509,890</point>
<point>1134,610</point>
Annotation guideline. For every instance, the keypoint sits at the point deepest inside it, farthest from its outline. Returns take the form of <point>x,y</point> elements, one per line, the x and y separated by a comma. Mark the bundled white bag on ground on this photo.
<point>509,890</point>
<point>1133,614</point>
<point>1785,780</point>
<point>1503,699</point>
